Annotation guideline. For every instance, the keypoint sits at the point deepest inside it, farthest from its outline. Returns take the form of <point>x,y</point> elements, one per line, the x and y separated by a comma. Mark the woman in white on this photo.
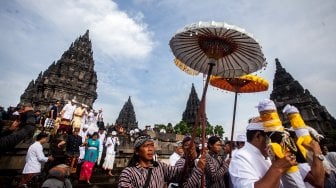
<point>84,134</point>
<point>111,142</point>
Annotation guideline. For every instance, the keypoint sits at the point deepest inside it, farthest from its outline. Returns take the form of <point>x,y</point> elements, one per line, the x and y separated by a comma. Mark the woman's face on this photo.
<point>146,151</point>
<point>216,147</point>
<point>94,137</point>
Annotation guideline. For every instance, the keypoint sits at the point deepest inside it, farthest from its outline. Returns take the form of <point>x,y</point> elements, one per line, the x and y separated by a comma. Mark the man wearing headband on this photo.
<point>251,167</point>
<point>143,171</point>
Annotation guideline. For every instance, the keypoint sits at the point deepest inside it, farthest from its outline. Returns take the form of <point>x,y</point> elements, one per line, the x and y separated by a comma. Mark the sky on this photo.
<point>132,56</point>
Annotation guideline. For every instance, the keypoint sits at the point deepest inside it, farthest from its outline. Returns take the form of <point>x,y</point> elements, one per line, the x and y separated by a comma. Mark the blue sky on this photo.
<point>132,56</point>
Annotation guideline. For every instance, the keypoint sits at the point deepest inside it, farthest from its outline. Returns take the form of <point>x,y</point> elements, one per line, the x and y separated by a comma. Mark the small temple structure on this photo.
<point>126,118</point>
<point>193,104</point>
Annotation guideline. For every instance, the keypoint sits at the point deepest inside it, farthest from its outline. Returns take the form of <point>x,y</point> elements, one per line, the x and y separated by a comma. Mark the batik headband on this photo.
<point>141,140</point>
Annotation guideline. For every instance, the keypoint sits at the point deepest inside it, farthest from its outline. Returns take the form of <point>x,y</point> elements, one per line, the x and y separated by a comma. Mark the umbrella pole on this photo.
<point>233,123</point>
<point>200,112</point>
<point>203,114</point>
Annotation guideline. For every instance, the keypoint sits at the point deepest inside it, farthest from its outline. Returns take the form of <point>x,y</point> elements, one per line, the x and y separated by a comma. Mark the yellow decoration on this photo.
<point>296,120</point>
<point>305,138</point>
<point>271,121</point>
<point>279,151</point>
<point>185,68</point>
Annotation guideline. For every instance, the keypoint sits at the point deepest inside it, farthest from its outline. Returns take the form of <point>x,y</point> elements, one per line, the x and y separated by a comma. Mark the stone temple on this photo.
<point>287,90</point>
<point>193,104</point>
<point>71,77</point>
<point>127,117</point>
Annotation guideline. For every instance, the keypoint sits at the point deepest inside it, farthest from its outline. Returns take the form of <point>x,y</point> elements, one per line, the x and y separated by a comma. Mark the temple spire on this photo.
<point>72,76</point>
<point>287,90</point>
<point>127,118</point>
<point>193,103</point>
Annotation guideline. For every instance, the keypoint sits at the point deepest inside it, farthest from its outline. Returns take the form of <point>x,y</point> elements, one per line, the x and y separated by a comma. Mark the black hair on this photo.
<point>227,142</point>
<point>186,139</point>
<point>136,158</point>
<point>212,140</point>
<point>41,135</point>
<point>251,133</point>
<point>95,133</point>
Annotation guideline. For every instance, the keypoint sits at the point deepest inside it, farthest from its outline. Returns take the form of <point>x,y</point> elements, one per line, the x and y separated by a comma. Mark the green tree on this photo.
<point>219,130</point>
<point>182,128</point>
<point>208,130</point>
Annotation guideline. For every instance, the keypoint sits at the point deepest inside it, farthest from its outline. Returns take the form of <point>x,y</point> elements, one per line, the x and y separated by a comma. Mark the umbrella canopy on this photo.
<point>244,84</point>
<point>233,51</point>
<point>185,68</point>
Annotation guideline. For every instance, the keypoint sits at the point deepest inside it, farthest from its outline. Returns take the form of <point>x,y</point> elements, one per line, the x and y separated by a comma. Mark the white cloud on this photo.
<point>115,33</point>
<point>132,55</point>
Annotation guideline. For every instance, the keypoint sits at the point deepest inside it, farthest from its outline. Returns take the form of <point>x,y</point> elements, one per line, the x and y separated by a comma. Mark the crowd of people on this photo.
<point>267,155</point>
<point>77,137</point>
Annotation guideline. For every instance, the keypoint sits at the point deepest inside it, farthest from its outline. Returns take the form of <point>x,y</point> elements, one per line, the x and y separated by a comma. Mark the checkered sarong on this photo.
<point>49,123</point>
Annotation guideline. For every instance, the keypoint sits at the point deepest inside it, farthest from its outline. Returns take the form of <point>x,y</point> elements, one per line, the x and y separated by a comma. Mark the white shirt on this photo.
<point>304,169</point>
<point>100,117</point>
<point>83,134</point>
<point>90,117</point>
<point>34,158</point>
<point>173,158</point>
<point>113,141</point>
<point>68,110</point>
<point>248,166</point>
<point>101,140</point>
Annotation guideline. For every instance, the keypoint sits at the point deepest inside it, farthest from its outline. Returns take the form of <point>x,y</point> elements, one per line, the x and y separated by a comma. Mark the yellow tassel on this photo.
<point>279,152</point>
<point>296,120</point>
<point>298,123</point>
<point>303,140</point>
<point>271,121</point>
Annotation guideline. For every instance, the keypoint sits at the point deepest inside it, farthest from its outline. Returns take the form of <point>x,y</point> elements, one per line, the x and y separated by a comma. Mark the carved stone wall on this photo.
<point>286,90</point>
<point>72,76</point>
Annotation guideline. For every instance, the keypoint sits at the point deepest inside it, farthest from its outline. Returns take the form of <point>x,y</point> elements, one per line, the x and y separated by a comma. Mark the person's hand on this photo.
<point>14,125</point>
<point>202,161</point>
<point>313,146</point>
<point>284,163</point>
<point>50,158</point>
<point>60,144</point>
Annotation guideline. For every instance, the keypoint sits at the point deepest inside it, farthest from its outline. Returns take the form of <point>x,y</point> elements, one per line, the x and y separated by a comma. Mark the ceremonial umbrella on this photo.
<point>244,84</point>
<point>216,48</point>
<point>185,68</point>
